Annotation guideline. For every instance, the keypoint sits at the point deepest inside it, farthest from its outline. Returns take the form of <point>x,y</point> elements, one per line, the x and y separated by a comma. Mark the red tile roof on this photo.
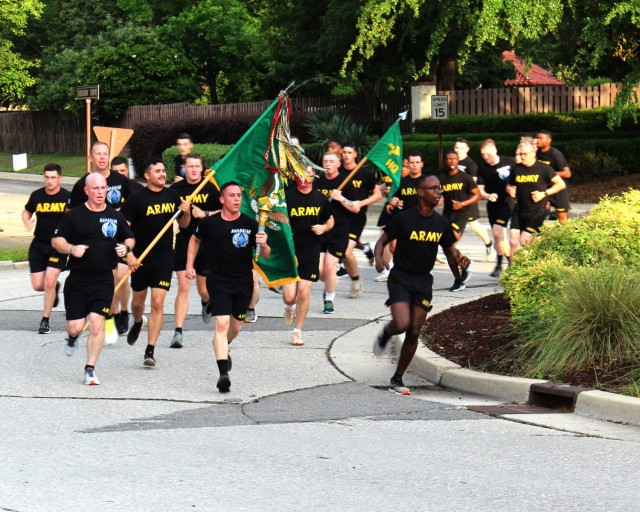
<point>528,75</point>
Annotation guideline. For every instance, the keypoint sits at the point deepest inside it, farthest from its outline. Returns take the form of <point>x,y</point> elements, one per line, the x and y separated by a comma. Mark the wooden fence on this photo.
<point>47,132</point>
<point>529,100</point>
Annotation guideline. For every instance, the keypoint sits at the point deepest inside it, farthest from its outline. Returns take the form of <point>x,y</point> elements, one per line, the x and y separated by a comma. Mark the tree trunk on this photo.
<point>446,73</point>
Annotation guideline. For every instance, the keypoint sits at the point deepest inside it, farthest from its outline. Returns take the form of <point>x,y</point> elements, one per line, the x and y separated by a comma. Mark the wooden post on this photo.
<point>88,103</point>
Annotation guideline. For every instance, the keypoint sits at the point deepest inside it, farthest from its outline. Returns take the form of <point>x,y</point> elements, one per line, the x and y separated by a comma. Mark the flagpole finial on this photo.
<point>403,115</point>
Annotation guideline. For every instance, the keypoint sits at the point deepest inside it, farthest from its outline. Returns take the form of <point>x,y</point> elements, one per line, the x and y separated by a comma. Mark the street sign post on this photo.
<point>440,112</point>
<point>88,93</point>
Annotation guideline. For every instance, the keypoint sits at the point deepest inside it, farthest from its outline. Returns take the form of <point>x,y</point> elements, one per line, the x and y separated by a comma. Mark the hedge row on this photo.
<point>580,121</point>
<point>210,154</point>
<point>588,158</point>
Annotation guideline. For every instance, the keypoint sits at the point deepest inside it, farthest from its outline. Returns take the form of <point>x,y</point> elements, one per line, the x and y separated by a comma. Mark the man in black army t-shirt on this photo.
<point>460,196</point>
<point>148,211</point>
<point>334,243</point>
<point>45,263</point>
<point>556,160</point>
<point>229,238</point>
<point>418,232</point>
<point>94,235</point>
<point>531,183</point>
<point>202,205</point>
<point>310,217</point>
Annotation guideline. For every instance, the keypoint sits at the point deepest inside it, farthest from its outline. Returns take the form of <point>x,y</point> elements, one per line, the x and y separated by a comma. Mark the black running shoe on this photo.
<point>134,333</point>
<point>224,384</point>
<point>457,286</point>
<point>149,360</point>
<point>122,322</point>
<point>342,272</point>
<point>44,327</point>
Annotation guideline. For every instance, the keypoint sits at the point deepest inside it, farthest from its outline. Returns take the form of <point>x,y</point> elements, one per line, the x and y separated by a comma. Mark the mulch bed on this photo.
<point>478,334</point>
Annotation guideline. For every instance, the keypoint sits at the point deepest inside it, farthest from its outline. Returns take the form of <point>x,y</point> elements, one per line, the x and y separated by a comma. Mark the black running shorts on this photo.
<point>42,255</point>
<point>87,293</point>
<point>410,288</point>
<point>230,296</point>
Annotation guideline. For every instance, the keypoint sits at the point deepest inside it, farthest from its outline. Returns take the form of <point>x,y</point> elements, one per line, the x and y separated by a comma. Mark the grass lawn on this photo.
<point>18,254</point>
<point>72,165</point>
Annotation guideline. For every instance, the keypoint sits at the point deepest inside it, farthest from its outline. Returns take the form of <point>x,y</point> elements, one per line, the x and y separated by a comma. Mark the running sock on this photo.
<point>499,262</point>
<point>45,318</point>
<point>295,329</point>
<point>329,296</point>
<point>489,244</point>
<point>203,302</point>
<point>89,367</point>
<point>356,278</point>
<point>72,338</point>
<point>223,366</point>
<point>149,349</point>
<point>179,329</point>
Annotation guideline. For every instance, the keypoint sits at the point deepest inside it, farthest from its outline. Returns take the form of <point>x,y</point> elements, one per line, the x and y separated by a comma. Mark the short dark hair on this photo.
<point>229,184</point>
<point>184,135</point>
<point>53,167</point>
<point>152,161</point>
<point>415,153</point>
<point>462,140</point>
<point>350,145</point>
<point>423,178</point>
<point>450,152</point>
<point>119,160</point>
<point>544,132</point>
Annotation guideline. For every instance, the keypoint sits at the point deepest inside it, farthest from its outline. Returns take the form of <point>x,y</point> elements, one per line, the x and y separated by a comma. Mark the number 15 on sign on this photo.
<point>439,107</point>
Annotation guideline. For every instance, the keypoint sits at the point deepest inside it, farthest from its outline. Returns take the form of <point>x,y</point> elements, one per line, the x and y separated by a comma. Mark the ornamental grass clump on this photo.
<point>592,322</point>
<point>575,291</point>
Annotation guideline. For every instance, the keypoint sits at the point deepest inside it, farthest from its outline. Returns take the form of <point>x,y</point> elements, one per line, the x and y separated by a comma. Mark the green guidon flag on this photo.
<point>250,163</point>
<point>387,154</point>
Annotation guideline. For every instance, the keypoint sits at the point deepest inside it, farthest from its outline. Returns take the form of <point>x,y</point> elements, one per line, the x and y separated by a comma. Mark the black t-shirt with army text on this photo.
<point>363,184</point>
<point>457,188</point>
<point>148,212</point>
<point>531,179</point>
<point>118,190</point>
<point>340,214</point>
<point>408,192</point>
<point>100,231</point>
<point>207,199</point>
<point>417,240</point>
<point>232,242</point>
<point>49,210</point>
<point>306,210</point>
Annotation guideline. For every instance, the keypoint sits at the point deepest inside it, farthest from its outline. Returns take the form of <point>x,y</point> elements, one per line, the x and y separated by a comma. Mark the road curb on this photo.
<point>601,405</point>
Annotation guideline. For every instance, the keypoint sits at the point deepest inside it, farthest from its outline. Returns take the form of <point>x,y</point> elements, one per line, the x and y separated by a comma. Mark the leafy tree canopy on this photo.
<point>15,72</point>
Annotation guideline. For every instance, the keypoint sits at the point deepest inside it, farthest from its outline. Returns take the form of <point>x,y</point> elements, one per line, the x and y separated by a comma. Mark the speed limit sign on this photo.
<point>439,107</point>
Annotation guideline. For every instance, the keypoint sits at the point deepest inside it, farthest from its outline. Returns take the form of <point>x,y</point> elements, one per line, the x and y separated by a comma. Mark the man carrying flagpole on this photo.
<point>230,238</point>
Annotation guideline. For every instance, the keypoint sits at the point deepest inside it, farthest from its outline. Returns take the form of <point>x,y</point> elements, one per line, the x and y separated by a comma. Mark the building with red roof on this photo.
<point>528,74</point>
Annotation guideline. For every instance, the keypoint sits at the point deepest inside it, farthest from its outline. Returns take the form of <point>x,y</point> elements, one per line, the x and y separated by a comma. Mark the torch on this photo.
<point>264,207</point>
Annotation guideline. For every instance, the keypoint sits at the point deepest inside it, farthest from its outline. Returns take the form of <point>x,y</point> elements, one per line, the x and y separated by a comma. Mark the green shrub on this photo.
<point>579,280</point>
<point>592,321</point>
<point>210,153</point>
